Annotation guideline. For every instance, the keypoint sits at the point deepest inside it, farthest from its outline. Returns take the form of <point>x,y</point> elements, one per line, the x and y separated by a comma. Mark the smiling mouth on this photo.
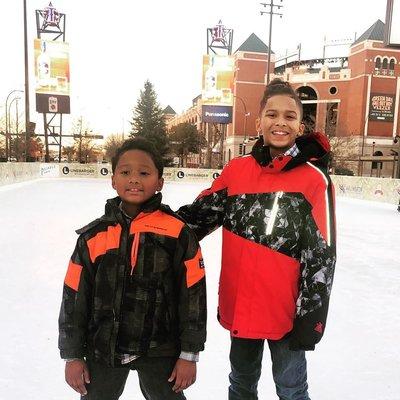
<point>134,190</point>
<point>279,133</point>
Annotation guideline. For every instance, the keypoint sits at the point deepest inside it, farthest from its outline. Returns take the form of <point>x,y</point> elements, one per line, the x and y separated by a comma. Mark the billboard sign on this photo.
<point>52,78</point>
<point>217,88</point>
<point>392,26</point>
<point>381,107</point>
<point>217,114</point>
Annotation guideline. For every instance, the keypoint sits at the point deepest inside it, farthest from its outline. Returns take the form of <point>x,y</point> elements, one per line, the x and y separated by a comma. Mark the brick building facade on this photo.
<point>355,97</point>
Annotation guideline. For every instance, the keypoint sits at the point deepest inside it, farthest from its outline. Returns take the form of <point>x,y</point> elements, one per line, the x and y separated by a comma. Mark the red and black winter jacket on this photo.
<point>278,243</point>
<point>135,287</point>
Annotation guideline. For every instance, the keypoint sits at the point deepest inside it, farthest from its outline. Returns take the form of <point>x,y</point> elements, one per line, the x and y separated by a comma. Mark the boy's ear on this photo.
<point>113,182</point>
<point>160,184</point>
<point>258,125</point>
<point>301,129</point>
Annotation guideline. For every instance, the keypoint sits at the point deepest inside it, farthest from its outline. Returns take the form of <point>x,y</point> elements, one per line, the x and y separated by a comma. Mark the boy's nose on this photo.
<point>133,179</point>
<point>280,122</point>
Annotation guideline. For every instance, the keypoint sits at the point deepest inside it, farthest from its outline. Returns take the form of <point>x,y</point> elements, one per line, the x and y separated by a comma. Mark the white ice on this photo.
<point>358,358</point>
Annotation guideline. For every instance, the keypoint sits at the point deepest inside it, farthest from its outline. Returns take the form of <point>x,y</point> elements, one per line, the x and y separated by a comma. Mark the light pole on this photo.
<point>271,14</point>
<point>27,117</point>
<point>246,114</point>
<point>397,140</point>
<point>7,116</point>
<point>9,124</point>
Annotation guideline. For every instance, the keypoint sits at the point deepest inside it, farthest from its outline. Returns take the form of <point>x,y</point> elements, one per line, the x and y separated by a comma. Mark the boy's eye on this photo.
<point>144,173</point>
<point>124,172</point>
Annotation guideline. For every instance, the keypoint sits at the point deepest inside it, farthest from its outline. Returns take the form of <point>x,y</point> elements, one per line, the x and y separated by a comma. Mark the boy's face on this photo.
<point>135,179</point>
<point>280,123</point>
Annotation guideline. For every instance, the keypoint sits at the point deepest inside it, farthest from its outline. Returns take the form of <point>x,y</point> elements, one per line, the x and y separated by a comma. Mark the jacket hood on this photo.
<point>314,147</point>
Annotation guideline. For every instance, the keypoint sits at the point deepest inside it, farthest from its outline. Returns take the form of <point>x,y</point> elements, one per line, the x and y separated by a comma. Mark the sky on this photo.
<point>115,46</point>
<point>357,359</point>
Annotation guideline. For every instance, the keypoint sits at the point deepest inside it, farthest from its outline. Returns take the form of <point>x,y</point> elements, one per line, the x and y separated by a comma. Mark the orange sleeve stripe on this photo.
<point>73,275</point>
<point>103,241</point>
<point>158,222</point>
<point>194,269</point>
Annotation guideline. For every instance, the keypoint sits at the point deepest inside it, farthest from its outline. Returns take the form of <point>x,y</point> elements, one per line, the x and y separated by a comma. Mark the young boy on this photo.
<point>278,249</point>
<point>134,294</point>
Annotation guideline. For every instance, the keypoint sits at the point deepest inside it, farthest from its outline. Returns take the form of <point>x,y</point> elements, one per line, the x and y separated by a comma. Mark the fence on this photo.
<point>365,188</point>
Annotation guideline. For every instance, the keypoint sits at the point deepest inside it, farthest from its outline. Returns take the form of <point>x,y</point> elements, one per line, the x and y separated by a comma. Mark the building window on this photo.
<point>384,66</point>
<point>333,90</point>
<point>391,66</point>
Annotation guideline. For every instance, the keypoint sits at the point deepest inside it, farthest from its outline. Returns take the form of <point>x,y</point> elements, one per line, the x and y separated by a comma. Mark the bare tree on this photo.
<point>83,140</point>
<point>111,144</point>
<point>344,153</point>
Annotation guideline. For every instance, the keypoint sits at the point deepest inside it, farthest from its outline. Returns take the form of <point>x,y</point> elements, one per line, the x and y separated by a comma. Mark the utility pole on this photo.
<point>271,13</point>
<point>27,117</point>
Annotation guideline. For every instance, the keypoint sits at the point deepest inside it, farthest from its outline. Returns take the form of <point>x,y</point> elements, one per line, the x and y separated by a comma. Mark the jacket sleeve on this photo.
<point>192,301</point>
<point>318,258</point>
<point>76,303</point>
<point>206,213</point>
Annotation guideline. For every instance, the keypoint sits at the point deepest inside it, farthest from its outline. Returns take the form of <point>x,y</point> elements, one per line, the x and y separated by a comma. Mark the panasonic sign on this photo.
<point>217,114</point>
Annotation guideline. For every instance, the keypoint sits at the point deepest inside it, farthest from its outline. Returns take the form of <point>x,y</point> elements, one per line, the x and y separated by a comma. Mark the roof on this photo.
<point>374,32</point>
<point>168,110</point>
<point>254,44</point>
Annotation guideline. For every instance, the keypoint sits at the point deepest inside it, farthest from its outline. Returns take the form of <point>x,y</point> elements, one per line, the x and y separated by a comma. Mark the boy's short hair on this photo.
<point>139,144</point>
<point>279,87</point>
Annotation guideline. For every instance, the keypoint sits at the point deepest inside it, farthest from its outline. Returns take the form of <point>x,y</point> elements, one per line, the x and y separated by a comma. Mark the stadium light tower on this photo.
<point>271,13</point>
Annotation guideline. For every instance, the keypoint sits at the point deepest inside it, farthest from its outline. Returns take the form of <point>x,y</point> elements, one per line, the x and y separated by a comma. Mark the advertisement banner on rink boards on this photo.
<point>195,174</point>
<point>78,170</point>
<point>104,171</point>
<point>49,171</point>
<point>217,89</point>
<point>52,76</point>
<point>169,174</point>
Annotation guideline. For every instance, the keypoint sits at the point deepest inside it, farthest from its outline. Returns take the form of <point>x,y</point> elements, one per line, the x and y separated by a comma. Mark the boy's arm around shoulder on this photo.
<point>206,213</point>
<point>190,275</point>
<point>76,302</point>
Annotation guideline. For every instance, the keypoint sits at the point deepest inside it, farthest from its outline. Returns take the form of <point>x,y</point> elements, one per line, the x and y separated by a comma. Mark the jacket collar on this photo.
<point>314,147</point>
<point>114,212</point>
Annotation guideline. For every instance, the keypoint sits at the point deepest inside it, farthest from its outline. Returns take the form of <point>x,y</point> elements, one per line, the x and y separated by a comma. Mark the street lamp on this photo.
<point>9,124</point>
<point>8,96</point>
<point>246,114</point>
<point>397,140</point>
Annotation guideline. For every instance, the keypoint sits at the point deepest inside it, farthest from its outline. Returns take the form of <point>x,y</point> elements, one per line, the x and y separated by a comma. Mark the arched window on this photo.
<point>385,63</point>
<point>378,63</point>
<point>391,66</point>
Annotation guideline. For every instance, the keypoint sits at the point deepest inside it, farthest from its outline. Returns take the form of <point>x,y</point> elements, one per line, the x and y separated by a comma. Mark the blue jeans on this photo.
<point>107,383</point>
<point>289,369</point>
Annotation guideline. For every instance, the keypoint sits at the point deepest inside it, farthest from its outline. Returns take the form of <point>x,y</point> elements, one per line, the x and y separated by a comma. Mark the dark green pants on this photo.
<point>107,383</point>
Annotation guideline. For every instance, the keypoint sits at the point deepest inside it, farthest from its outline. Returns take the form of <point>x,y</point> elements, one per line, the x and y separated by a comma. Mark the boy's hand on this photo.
<point>76,375</point>
<point>184,374</point>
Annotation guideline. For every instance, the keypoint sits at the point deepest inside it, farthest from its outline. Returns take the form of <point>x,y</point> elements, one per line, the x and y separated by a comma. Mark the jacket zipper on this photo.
<point>274,212</point>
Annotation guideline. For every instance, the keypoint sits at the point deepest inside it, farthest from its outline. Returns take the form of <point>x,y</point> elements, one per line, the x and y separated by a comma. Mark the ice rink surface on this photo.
<point>358,358</point>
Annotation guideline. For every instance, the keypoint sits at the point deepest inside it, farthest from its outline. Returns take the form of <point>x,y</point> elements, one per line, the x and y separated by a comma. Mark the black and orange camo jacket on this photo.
<point>134,287</point>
